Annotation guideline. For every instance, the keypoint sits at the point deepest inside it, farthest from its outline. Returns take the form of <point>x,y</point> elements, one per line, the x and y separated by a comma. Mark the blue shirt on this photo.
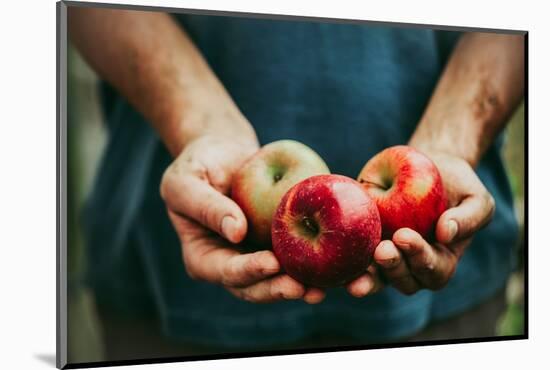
<point>347,91</point>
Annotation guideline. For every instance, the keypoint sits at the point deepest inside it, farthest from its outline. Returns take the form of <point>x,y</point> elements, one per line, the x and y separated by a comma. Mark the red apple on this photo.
<point>262,181</point>
<point>407,188</point>
<point>325,230</point>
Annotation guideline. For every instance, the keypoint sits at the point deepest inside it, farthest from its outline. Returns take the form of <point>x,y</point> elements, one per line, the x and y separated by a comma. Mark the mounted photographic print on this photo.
<point>235,185</point>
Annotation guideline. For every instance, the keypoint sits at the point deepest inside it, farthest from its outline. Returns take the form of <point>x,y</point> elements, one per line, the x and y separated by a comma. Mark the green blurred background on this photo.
<point>87,136</point>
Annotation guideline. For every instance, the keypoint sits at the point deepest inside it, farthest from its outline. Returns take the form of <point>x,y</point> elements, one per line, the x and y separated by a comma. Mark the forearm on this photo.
<point>152,62</point>
<point>479,89</point>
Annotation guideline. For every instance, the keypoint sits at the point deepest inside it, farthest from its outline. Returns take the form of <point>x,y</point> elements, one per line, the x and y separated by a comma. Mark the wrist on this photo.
<point>441,138</point>
<point>206,118</point>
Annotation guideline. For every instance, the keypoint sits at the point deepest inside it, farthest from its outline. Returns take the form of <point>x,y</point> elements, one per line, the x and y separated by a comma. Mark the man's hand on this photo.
<point>409,262</point>
<point>482,84</point>
<point>194,188</point>
<point>150,59</point>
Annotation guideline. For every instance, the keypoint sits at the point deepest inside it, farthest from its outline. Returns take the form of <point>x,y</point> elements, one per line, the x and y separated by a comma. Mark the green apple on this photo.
<point>263,180</point>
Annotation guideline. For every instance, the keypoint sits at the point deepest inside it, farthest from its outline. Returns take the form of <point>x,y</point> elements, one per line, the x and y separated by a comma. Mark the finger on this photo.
<point>462,221</point>
<point>314,296</point>
<point>365,284</point>
<point>362,286</point>
<point>394,267</point>
<point>275,289</point>
<point>377,277</point>
<point>191,196</point>
<point>207,257</point>
<point>386,255</point>
<point>431,265</point>
<point>249,268</point>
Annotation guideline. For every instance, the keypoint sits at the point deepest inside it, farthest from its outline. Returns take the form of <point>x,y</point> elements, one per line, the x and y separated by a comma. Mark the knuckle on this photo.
<point>225,276</point>
<point>247,296</point>
<point>276,289</point>
<point>425,264</point>
<point>228,274</point>
<point>427,267</point>
<point>207,216</point>
<point>254,263</point>
<point>220,179</point>
<point>204,214</point>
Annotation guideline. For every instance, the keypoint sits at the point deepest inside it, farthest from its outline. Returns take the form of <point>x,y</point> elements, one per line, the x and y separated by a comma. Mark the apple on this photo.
<point>407,188</point>
<point>258,186</point>
<point>325,230</point>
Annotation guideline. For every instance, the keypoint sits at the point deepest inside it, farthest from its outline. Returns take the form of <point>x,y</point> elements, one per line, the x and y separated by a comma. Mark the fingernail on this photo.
<point>402,237</point>
<point>386,247</point>
<point>402,244</point>
<point>452,226</point>
<point>407,233</point>
<point>387,251</point>
<point>228,227</point>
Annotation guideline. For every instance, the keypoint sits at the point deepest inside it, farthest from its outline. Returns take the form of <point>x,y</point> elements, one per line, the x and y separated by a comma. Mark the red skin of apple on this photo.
<point>325,231</point>
<point>407,188</point>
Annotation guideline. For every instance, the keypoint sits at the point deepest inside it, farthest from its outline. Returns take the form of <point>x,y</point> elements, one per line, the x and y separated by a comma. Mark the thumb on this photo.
<point>190,196</point>
<point>462,221</point>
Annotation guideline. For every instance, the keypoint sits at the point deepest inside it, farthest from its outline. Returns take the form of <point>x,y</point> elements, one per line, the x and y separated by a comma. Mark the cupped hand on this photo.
<point>209,224</point>
<point>410,263</point>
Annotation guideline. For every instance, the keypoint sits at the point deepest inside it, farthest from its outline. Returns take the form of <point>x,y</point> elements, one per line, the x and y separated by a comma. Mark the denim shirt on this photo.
<point>347,91</point>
